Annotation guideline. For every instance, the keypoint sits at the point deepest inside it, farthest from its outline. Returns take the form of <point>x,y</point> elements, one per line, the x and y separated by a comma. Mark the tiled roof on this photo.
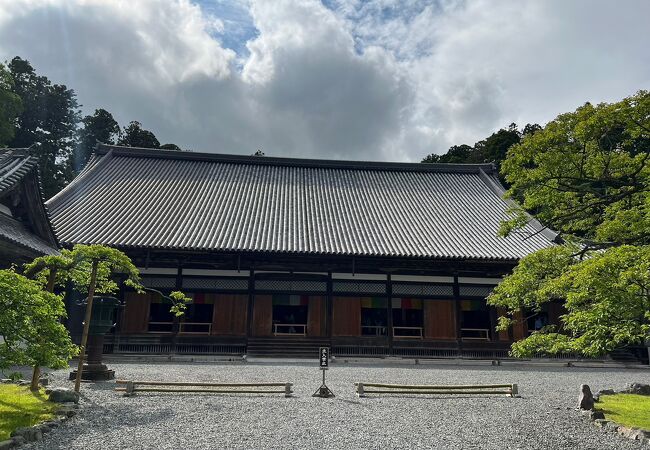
<point>15,232</point>
<point>18,168</point>
<point>138,198</point>
<point>15,163</point>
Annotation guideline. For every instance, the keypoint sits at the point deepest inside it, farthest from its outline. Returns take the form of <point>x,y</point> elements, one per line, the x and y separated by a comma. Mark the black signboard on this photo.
<point>324,358</point>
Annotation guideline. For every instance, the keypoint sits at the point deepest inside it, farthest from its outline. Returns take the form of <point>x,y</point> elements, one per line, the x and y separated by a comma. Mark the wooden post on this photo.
<point>329,307</point>
<point>389,321</point>
<point>176,320</point>
<point>250,306</point>
<point>514,391</point>
<point>130,389</point>
<point>84,335</point>
<point>458,315</point>
<point>287,390</point>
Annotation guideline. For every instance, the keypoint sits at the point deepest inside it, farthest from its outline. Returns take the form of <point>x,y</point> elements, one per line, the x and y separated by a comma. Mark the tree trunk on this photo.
<point>84,335</point>
<point>36,370</point>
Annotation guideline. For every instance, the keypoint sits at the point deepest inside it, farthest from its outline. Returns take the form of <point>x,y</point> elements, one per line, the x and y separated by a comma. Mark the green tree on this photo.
<point>99,127</point>
<point>492,149</point>
<point>455,154</point>
<point>30,324</point>
<point>133,135</point>
<point>10,106</point>
<point>91,269</point>
<point>170,147</point>
<point>495,147</point>
<point>47,123</point>
<point>587,175</point>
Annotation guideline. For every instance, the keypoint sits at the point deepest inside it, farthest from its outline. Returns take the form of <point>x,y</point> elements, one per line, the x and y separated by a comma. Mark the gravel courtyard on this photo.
<point>544,418</point>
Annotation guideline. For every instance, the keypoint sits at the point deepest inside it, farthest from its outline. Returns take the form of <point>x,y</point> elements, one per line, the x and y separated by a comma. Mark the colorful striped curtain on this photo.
<point>200,298</point>
<point>472,305</point>
<point>373,302</point>
<point>407,303</point>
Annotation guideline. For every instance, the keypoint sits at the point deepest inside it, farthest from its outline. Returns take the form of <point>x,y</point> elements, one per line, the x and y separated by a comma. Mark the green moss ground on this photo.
<point>19,407</point>
<point>626,409</point>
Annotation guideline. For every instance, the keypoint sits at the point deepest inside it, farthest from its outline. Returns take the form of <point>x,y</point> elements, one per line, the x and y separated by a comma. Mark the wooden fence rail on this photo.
<point>132,387</point>
<point>469,389</point>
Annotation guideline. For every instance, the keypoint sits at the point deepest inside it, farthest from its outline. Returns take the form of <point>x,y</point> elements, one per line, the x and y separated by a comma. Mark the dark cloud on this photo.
<point>351,80</point>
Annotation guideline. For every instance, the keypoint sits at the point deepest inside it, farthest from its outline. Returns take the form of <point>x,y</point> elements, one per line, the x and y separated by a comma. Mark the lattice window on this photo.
<point>216,284</point>
<point>291,285</point>
<point>427,290</point>
<point>359,287</point>
<point>475,291</point>
<point>159,282</point>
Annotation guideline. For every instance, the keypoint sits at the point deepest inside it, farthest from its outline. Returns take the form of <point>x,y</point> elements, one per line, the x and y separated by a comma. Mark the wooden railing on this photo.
<point>407,332</point>
<point>161,327</point>
<point>373,330</point>
<point>131,387</point>
<point>290,329</point>
<point>510,390</point>
<point>481,334</point>
<point>183,327</point>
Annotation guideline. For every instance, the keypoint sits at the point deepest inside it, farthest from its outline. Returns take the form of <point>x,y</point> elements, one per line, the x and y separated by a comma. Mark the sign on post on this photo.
<point>323,363</point>
<point>324,358</point>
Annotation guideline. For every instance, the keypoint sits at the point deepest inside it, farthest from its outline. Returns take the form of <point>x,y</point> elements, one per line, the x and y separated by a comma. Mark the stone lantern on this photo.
<point>102,320</point>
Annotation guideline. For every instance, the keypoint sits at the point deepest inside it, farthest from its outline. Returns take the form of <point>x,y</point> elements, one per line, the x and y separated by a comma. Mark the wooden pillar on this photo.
<point>176,324</point>
<point>494,336</point>
<point>389,294</point>
<point>251,300</point>
<point>459,312</point>
<point>118,317</point>
<point>329,306</point>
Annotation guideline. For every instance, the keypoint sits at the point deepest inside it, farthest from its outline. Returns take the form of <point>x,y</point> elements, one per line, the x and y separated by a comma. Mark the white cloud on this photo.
<point>362,80</point>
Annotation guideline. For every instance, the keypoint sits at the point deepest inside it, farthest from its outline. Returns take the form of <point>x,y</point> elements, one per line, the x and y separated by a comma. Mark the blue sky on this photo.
<point>374,79</point>
<point>238,25</point>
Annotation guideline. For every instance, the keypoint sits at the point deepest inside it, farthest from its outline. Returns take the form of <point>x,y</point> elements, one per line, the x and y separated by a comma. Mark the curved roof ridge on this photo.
<point>139,152</point>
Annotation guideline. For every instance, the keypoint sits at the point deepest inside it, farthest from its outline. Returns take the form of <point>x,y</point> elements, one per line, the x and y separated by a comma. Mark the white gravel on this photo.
<point>544,418</point>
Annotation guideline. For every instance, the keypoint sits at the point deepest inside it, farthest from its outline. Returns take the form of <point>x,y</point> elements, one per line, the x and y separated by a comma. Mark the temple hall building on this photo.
<point>25,229</point>
<point>283,255</point>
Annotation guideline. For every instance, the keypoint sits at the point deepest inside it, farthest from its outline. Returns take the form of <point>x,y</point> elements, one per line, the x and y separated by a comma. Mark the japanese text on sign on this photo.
<point>324,357</point>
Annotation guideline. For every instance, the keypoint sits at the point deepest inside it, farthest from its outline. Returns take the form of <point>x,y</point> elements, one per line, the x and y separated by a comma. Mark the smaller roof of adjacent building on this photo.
<point>156,199</point>
<point>25,223</point>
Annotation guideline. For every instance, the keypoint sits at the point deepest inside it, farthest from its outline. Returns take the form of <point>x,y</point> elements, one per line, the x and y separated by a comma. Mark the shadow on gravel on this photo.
<point>174,394</point>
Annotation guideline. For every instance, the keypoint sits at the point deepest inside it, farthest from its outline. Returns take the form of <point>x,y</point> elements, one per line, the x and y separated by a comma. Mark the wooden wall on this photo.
<point>229,314</point>
<point>439,319</point>
<point>346,316</point>
<point>263,315</point>
<point>135,316</point>
<point>519,329</point>
<point>316,316</point>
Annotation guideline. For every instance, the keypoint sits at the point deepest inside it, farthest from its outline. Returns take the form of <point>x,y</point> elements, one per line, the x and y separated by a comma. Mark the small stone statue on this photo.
<point>585,399</point>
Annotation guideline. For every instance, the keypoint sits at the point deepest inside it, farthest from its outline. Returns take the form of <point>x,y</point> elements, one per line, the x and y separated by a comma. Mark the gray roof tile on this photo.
<point>16,166</point>
<point>13,231</point>
<point>193,201</point>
